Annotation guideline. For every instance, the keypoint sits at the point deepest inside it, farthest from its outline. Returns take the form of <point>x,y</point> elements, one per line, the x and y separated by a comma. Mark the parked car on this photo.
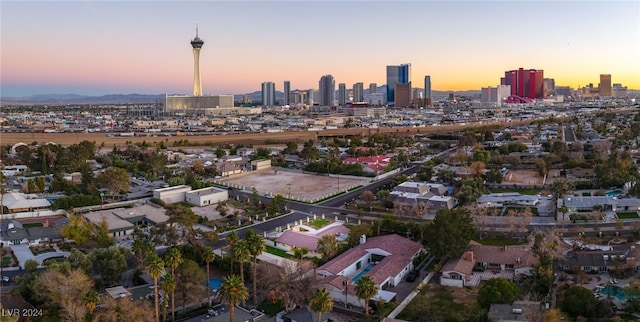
<point>5,279</point>
<point>413,275</point>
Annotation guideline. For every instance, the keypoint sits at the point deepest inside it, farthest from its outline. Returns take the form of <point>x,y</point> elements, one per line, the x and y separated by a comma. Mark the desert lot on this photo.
<point>293,184</point>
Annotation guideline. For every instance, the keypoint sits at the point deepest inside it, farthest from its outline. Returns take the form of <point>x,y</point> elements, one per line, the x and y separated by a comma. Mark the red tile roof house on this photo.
<point>498,261</point>
<point>374,164</point>
<point>293,238</point>
<point>386,259</point>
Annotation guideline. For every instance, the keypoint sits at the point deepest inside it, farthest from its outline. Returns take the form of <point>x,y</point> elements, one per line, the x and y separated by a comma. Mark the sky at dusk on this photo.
<point>122,47</point>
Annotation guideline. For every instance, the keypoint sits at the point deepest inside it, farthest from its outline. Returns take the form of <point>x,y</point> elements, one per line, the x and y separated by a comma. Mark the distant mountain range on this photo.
<point>57,99</point>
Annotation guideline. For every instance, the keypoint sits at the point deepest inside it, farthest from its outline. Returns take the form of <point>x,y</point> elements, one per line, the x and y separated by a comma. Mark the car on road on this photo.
<point>413,275</point>
<point>4,279</point>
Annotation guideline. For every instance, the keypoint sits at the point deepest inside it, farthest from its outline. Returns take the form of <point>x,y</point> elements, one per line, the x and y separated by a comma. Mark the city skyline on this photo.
<point>97,48</point>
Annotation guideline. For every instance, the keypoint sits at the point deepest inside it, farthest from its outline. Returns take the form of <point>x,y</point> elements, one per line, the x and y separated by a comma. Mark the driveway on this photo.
<point>23,253</point>
<point>42,257</point>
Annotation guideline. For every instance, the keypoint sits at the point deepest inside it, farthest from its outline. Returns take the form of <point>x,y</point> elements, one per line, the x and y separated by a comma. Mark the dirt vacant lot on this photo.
<point>296,185</point>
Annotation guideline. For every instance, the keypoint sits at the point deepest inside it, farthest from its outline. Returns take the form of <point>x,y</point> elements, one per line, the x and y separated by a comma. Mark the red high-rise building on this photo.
<point>524,82</point>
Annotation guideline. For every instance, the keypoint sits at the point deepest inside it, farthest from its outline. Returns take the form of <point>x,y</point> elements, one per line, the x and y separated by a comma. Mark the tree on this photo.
<point>232,239</point>
<point>208,256</point>
<point>366,288</point>
<point>116,310</point>
<point>425,172</point>
<point>232,292</point>
<point>168,284</point>
<point>155,268</point>
<point>477,168</point>
<point>256,247</point>
<point>277,204</point>
<point>240,254</point>
<point>289,282</point>
<point>78,229</point>
<point>173,258</point>
<point>368,197</point>
<point>65,289</point>
<point>110,263</point>
<point>115,180</point>
<point>300,252</point>
<point>142,247</point>
<point>327,246</point>
<point>578,301</point>
<point>321,302</point>
<point>449,233</point>
<point>78,260</point>
<point>447,176</point>
<point>102,234</point>
<point>91,300</point>
<point>189,277</point>
<point>497,291</point>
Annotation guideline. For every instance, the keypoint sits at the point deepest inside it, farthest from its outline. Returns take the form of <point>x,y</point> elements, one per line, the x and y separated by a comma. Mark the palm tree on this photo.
<point>232,239</point>
<point>173,257</point>
<point>169,286</point>
<point>208,256</point>
<point>155,267</point>
<point>366,289</point>
<point>240,253</point>
<point>232,291</point>
<point>321,302</point>
<point>256,247</point>
<point>91,299</point>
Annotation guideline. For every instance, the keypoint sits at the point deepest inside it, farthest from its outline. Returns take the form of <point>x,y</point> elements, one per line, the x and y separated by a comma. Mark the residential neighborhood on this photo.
<point>500,222</point>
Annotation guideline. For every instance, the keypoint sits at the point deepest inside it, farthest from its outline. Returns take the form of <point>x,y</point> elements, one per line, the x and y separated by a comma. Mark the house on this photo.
<point>173,194</point>
<point>457,272</point>
<point>508,198</point>
<point>306,236</point>
<point>17,202</point>
<point>414,193</point>
<point>603,259</point>
<point>587,204</point>
<point>525,311</point>
<point>492,261</point>
<point>245,152</point>
<point>123,221</point>
<point>386,259</point>
<point>260,164</point>
<point>227,168</point>
<point>374,164</point>
<point>13,233</point>
<point>206,196</point>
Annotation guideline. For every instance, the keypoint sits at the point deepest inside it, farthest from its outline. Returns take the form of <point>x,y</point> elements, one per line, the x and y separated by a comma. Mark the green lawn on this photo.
<point>496,241</point>
<point>271,309</point>
<point>278,252</point>
<point>627,215</point>
<point>6,260</point>
<point>42,251</point>
<point>50,261</point>
<point>32,225</point>
<point>319,223</point>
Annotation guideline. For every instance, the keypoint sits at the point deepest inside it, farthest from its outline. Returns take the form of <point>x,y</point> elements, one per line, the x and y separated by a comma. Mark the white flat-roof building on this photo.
<point>172,194</point>
<point>206,196</point>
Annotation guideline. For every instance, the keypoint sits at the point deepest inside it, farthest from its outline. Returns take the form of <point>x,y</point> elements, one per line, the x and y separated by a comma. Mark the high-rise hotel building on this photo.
<point>268,94</point>
<point>525,82</point>
<point>327,87</point>
<point>396,74</point>
<point>605,85</point>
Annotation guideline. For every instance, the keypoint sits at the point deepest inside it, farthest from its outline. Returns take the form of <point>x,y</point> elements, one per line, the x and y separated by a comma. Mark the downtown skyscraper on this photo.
<point>525,82</point>
<point>268,94</point>
<point>342,94</point>
<point>287,91</point>
<point>427,91</point>
<point>358,92</point>
<point>397,74</point>
<point>327,86</point>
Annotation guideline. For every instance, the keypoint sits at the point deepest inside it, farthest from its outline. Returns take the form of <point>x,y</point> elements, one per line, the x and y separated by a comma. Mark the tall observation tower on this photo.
<point>196,43</point>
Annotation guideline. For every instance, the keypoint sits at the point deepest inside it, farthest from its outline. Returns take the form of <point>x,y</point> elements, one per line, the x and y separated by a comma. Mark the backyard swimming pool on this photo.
<point>366,269</point>
<point>214,283</point>
<point>616,292</point>
<point>613,193</point>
